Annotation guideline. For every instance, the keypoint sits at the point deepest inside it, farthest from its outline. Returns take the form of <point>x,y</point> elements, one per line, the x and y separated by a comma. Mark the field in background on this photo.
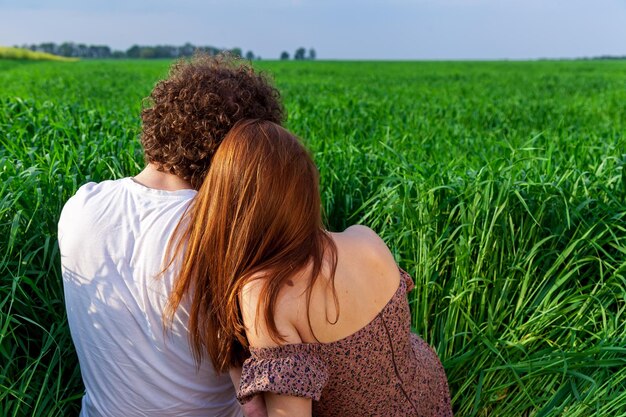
<point>26,54</point>
<point>500,187</point>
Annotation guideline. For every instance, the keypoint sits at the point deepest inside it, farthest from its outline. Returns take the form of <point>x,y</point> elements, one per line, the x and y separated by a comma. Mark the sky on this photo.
<point>336,29</point>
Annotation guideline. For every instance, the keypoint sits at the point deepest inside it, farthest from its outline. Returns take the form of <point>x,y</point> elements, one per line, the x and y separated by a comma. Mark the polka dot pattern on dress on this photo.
<point>381,370</point>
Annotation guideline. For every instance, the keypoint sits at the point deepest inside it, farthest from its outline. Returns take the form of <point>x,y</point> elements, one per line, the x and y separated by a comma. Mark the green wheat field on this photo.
<point>500,186</point>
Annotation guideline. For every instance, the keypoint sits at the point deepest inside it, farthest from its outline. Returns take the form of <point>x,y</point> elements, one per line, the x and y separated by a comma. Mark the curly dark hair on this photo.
<point>190,112</point>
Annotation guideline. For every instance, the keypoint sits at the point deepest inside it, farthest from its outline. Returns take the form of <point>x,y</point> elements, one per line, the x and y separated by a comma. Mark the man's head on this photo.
<point>191,111</point>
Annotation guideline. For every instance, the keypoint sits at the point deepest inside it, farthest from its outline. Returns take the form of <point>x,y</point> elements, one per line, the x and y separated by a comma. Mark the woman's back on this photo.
<point>325,315</point>
<point>357,359</point>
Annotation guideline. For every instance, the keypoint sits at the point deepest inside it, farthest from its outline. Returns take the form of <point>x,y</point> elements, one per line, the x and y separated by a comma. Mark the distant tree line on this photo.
<point>81,50</point>
<point>608,57</point>
<point>300,54</point>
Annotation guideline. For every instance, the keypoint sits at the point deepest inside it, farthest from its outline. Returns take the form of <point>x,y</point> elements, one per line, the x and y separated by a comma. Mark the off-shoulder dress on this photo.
<point>381,370</point>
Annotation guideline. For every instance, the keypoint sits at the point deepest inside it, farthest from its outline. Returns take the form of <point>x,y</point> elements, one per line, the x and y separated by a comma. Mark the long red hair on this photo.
<point>257,214</point>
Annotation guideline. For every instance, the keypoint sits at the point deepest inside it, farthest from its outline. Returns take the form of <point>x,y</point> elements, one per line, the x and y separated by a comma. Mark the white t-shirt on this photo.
<point>113,238</point>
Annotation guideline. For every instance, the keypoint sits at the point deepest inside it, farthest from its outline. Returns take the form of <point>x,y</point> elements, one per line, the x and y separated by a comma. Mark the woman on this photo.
<point>320,321</point>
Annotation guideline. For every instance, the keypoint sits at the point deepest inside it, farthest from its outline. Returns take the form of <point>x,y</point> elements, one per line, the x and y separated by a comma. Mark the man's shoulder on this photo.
<point>91,194</point>
<point>91,188</point>
<point>88,191</point>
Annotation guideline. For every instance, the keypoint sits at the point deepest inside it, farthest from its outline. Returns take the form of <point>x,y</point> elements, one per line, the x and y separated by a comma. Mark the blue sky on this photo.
<point>336,29</point>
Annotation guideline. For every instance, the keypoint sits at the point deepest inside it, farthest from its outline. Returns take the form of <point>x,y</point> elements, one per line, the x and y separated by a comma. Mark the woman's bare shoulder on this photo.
<point>366,242</point>
<point>366,261</point>
<point>252,307</point>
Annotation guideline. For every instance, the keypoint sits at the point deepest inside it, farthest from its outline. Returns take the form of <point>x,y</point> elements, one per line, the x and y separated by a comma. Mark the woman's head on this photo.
<point>190,112</point>
<point>267,184</point>
<point>257,213</point>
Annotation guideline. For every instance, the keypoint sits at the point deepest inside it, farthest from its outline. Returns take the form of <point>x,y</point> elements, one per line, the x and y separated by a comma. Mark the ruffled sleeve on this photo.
<point>296,370</point>
<point>407,279</point>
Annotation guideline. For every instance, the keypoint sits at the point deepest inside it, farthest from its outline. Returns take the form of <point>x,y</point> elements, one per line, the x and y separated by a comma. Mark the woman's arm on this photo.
<point>256,406</point>
<point>258,336</point>
<point>283,405</point>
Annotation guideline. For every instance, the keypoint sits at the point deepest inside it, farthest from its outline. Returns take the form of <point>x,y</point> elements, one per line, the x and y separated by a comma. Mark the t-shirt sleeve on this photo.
<point>407,279</point>
<point>295,370</point>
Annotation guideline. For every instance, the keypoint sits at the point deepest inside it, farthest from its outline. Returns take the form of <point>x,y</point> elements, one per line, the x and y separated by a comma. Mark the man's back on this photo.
<point>113,238</point>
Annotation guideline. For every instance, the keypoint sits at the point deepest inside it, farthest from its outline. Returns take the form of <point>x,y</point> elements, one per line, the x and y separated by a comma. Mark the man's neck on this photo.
<point>151,177</point>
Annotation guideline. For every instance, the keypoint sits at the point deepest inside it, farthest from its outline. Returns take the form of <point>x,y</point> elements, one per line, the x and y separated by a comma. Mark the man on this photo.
<point>113,238</point>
